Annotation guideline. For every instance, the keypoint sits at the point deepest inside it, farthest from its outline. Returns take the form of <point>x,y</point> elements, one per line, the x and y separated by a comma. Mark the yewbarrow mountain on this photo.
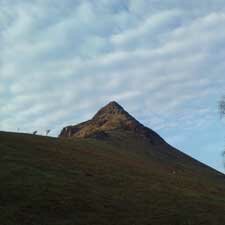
<point>112,117</point>
<point>110,170</point>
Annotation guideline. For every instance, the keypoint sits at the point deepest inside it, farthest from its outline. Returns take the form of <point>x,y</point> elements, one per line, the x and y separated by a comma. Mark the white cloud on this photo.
<point>61,62</point>
<point>147,28</point>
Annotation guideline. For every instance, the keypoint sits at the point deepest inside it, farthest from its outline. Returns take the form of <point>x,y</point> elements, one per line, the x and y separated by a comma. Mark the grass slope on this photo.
<point>122,180</point>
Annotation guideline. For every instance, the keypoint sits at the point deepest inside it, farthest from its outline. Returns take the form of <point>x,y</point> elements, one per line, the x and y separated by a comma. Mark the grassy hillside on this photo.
<point>122,180</point>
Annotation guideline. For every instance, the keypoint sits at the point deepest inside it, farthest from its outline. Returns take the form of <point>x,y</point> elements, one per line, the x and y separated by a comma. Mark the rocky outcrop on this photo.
<point>109,118</point>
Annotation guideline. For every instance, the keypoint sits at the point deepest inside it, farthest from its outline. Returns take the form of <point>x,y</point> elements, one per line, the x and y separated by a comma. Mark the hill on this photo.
<point>110,118</point>
<point>110,175</point>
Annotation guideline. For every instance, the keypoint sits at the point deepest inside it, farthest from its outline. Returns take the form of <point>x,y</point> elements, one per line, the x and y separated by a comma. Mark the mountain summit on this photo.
<point>110,118</point>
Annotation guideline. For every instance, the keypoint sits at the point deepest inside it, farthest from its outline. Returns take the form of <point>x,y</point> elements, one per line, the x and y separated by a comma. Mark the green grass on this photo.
<point>123,180</point>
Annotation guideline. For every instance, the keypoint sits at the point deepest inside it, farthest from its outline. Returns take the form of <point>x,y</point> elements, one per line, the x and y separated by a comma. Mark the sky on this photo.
<point>162,60</point>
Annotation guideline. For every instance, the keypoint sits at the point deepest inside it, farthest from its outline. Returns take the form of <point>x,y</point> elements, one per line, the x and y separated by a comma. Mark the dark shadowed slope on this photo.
<point>121,177</point>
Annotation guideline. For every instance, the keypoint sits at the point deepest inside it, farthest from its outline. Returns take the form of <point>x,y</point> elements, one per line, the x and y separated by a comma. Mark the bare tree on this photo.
<point>222,115</point>
<point>47,132</point>
<point>222,107</point>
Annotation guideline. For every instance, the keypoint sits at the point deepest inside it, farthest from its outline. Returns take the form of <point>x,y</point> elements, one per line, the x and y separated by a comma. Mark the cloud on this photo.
<point>144,30</point>
<point>60,62</point>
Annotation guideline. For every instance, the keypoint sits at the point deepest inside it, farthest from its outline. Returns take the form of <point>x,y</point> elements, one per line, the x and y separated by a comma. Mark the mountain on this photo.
<point>110,170</point>
<point>110,118</point>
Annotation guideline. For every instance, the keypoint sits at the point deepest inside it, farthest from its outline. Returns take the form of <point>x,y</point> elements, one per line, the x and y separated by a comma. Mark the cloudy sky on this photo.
<point>163,60</point>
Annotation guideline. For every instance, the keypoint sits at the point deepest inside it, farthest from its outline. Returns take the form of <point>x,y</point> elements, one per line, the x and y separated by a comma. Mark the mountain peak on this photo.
<point>111,117</point>
<point>113,104</point>
<point>111,109</point>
